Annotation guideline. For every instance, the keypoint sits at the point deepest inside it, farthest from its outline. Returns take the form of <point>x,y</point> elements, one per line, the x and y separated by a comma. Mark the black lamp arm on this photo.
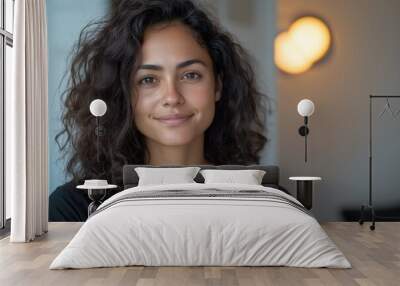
<point>303,131</point>
<point>99,133</point>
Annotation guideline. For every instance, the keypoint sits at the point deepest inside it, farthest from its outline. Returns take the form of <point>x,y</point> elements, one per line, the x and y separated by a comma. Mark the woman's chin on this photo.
<point>176,140</point>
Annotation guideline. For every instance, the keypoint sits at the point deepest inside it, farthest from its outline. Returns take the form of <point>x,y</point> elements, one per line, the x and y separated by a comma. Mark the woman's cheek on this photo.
<point>200,95</point>
<point>205,105</point>
<point>144,109</point>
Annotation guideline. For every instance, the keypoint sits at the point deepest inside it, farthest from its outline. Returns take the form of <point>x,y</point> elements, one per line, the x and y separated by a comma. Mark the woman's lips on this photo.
<point>174,120</point>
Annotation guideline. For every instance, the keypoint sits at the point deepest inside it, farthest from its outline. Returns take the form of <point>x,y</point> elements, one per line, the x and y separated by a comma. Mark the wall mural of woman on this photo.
<point>179,90</point>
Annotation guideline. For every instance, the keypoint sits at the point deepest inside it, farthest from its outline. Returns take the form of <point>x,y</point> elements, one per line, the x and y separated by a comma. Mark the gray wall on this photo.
<point>365,59</point>
<point>65,20</point>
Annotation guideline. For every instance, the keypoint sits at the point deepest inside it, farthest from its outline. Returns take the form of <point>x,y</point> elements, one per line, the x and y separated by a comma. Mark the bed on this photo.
<point>201,224</point>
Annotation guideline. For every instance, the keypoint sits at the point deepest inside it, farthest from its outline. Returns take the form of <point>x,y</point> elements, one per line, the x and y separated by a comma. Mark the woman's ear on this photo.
<point>217,95</point>
<point>218,89</point>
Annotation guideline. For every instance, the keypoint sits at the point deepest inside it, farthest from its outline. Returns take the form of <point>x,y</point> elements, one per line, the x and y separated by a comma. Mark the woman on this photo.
<point>179,90</point>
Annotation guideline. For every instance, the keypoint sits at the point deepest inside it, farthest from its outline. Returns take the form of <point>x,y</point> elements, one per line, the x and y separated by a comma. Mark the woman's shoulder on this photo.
<point>66,203</point>
<point>68,191</point>
<point>69,186</point>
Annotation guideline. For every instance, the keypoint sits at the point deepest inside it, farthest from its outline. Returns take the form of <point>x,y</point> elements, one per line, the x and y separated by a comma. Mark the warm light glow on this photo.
<point>307,41</point>
<point>312,36</point>
<point>287,56</point>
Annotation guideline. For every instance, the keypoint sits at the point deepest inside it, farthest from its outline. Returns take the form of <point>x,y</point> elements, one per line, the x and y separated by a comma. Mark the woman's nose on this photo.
<point>172,95</point>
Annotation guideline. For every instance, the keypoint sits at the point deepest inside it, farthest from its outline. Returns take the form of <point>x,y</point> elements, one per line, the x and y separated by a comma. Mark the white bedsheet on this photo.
<point>200,231</point>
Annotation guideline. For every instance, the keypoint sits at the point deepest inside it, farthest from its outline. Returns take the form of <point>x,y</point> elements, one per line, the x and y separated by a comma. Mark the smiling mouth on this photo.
<point>175,121</point>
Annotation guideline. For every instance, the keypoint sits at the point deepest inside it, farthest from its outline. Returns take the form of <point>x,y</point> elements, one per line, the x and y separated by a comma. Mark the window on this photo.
<point>6,65</point>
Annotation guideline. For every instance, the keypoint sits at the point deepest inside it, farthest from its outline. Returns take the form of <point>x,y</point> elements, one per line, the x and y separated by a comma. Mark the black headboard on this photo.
<point>270,179</point>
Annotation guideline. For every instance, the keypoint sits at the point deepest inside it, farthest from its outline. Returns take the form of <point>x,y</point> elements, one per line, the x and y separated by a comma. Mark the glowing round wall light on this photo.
<point>287,57</point>
<point>306,42</point>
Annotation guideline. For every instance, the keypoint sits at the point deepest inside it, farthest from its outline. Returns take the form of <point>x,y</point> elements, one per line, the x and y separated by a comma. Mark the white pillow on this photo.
<point>161,176</point>
<point>248,177</point>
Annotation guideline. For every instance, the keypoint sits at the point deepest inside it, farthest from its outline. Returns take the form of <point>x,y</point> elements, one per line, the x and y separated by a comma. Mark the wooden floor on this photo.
<point>374,255</point>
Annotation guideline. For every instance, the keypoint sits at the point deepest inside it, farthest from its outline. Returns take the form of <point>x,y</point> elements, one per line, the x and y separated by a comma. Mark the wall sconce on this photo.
<point>307,41</point>
<point>305,108</point>
<point>98,108</point>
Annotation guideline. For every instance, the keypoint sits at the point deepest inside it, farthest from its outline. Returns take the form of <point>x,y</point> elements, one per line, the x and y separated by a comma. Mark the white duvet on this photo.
<point>217,231</point>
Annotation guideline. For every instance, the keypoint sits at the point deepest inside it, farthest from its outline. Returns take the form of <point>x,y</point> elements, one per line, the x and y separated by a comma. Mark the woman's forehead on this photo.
<point>170,44</point>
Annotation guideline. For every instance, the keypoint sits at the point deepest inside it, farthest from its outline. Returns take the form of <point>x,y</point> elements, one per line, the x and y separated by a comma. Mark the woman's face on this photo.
<point>174,88</point>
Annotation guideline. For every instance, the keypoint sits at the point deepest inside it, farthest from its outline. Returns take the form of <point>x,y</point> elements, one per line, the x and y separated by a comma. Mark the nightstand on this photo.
<point>97,190</point>
<point>304,189</point>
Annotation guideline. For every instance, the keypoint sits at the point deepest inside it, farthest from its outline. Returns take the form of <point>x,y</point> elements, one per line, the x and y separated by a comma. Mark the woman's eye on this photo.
<point>147,80</point>
<point>192,76</point>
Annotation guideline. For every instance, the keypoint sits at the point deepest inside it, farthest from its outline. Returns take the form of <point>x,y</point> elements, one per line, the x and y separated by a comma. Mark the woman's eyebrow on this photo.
<point>150,67</point>
<point>180,65</point>
<point>190,62</point>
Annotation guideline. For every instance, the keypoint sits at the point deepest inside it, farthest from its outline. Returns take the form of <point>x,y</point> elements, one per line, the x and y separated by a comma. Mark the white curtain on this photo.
<point>26,124</point>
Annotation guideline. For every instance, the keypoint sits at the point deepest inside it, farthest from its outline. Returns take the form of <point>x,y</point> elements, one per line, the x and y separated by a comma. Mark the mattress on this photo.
<point>201,225</point>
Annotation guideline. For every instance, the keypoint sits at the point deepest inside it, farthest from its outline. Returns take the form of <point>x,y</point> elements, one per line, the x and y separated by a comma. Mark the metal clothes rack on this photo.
<point>370,205</point>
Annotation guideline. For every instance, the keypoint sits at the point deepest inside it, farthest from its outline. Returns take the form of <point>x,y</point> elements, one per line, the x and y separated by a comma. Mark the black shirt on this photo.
<point>67,203</point>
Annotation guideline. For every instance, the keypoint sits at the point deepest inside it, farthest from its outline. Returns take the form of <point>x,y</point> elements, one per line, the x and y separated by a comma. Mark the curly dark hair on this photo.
<point>105,57</point>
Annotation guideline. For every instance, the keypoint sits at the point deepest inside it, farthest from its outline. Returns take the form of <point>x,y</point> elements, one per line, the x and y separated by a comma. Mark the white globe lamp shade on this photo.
<point>98,107</point>
<point>305,107</point>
